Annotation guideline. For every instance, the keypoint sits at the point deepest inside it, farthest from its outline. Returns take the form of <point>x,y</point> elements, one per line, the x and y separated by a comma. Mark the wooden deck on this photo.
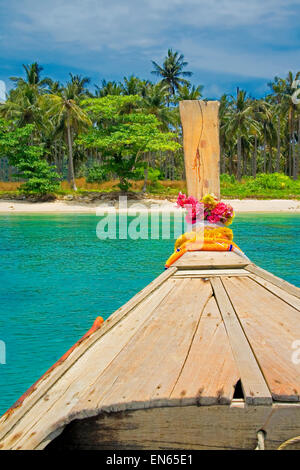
<point>168,365</point>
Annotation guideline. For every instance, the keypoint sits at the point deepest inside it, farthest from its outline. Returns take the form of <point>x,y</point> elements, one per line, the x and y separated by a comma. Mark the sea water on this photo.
<point>56,277</point>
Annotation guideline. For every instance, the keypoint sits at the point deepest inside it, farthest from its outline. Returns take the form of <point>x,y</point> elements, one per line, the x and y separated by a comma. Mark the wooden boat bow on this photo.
<point>176,353</point>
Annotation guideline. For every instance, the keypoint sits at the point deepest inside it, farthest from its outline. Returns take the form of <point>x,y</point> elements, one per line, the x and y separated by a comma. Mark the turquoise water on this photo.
<point>57,276</point>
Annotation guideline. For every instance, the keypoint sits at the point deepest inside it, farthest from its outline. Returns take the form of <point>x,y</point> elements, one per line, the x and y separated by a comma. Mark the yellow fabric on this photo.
<point>209,239</point>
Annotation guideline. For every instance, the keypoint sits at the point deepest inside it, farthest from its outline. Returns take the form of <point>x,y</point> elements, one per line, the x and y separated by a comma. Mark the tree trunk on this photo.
<point>254,158</point>
<point>292,146</point>
<point>173,166</point>
<point>239,158</point>
<point>145,179</point>
<point>223,163</point>
<point>297,153</point>
<point>265,153</point>
<point>277,166</point>
<point>270,163</point>
<point>71,163</point>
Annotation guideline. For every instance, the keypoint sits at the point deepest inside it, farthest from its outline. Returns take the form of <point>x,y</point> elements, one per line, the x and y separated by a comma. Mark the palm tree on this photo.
<point>133,85</point>
<point>21,106</point>
<point>55,87</point>
<point>107,88</point>
<point>171,72</point>
<point>278,98</point>
<point>33,77</point>
<point>292,110</point>
<point>238,123</point>
<point>80,83</point>
<point>224,133</point>
<point>64,110</point>
<point>188,92</point>
<point>154,102</point>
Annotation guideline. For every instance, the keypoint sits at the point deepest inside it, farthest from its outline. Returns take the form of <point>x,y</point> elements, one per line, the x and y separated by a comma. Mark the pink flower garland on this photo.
<point>209,208</point>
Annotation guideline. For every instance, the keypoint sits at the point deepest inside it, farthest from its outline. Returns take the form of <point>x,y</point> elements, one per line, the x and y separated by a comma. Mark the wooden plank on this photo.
<point>253,383</point>
<point>189,427</point>
<point>209,373</point>
<point>210,272</point>
<point>200,124</point>
<point>210,260</point>
<point>146,371</point>
<point>278,291</point>
<point>60,399</point>
<point>277,281</point>
<point>9,419</point>
<point>271,326</point>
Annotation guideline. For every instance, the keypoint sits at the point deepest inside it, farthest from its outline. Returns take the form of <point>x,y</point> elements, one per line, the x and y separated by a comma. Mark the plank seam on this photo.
<point>277,281</point>
<point>254,355</point>
<point>190,346</point>
<point>18,413</point>
<point>91,385</point>
<point>245,338</point>
<point>260,283</point>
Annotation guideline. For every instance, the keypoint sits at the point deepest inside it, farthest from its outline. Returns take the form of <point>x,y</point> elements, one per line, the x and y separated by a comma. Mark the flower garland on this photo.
<point>210,208</point>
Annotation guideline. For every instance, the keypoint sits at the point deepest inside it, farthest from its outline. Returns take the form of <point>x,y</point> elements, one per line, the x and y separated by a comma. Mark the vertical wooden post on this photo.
<point>200,124</point>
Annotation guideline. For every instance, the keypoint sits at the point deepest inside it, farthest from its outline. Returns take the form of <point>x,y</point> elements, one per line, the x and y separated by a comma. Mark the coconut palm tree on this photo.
<point>154,102</point>
<point>239,120</point>
<point>225,132</point>
<point>171,72</point>
<point>66,114</point>
<point>291,110</point>
<point>188,92</point>
<point>32,77</point>
<point>21,106</point>
<point>107,88</point>
<point>133,85</point>
<point>277,98</point>
<point>80,84</point>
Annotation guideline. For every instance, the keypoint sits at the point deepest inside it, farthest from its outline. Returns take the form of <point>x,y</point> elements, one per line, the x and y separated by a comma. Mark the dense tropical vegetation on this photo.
<point>131,130</point>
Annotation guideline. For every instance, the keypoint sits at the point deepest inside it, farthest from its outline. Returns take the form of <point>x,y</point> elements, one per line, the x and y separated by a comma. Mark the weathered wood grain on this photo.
<point>271,326</point>
<point>278,291</point>
<point>209,373</point>
<point>13,416</point>
<point>183,273</point>
<point>210,260</point>
<point>253,383</point>
<point>290,288</point>
<point>200,124</point>
<point>147,369</point>
<point>66,393</point>
<point>189,427</point>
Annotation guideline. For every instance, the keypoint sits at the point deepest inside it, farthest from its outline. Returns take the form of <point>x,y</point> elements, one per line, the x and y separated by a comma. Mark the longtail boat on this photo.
<point>202,358</point>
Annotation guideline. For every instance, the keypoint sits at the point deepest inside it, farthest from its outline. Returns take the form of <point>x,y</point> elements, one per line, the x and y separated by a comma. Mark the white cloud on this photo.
<point>230,36</point>
<point>116,24</point>
<point>245,61</point>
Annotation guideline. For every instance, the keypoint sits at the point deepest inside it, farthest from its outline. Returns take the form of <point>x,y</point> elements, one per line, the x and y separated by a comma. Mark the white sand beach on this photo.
<point>142,205</point>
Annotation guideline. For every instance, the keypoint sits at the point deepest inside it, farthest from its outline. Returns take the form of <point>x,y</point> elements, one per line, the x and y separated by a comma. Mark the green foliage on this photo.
<point>272,181</point>
<point>256,135</point>
<point>27,159</point>
<point>154,174</point>
<point>110,107</point>
<point>225,178</point>
<point>97,174</point>
<point>41,178</point>
<point>264,186</point>
<point>124,134</point>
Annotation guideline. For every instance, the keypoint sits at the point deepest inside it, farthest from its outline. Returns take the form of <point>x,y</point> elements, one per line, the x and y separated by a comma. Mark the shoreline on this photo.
<point>141,205</point>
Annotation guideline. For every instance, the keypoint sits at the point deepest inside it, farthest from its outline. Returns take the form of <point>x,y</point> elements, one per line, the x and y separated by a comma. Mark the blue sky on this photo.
<point>227,43</point>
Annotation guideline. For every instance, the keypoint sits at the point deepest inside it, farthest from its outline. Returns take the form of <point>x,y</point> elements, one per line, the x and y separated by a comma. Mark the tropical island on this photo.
<point>67,143</point>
